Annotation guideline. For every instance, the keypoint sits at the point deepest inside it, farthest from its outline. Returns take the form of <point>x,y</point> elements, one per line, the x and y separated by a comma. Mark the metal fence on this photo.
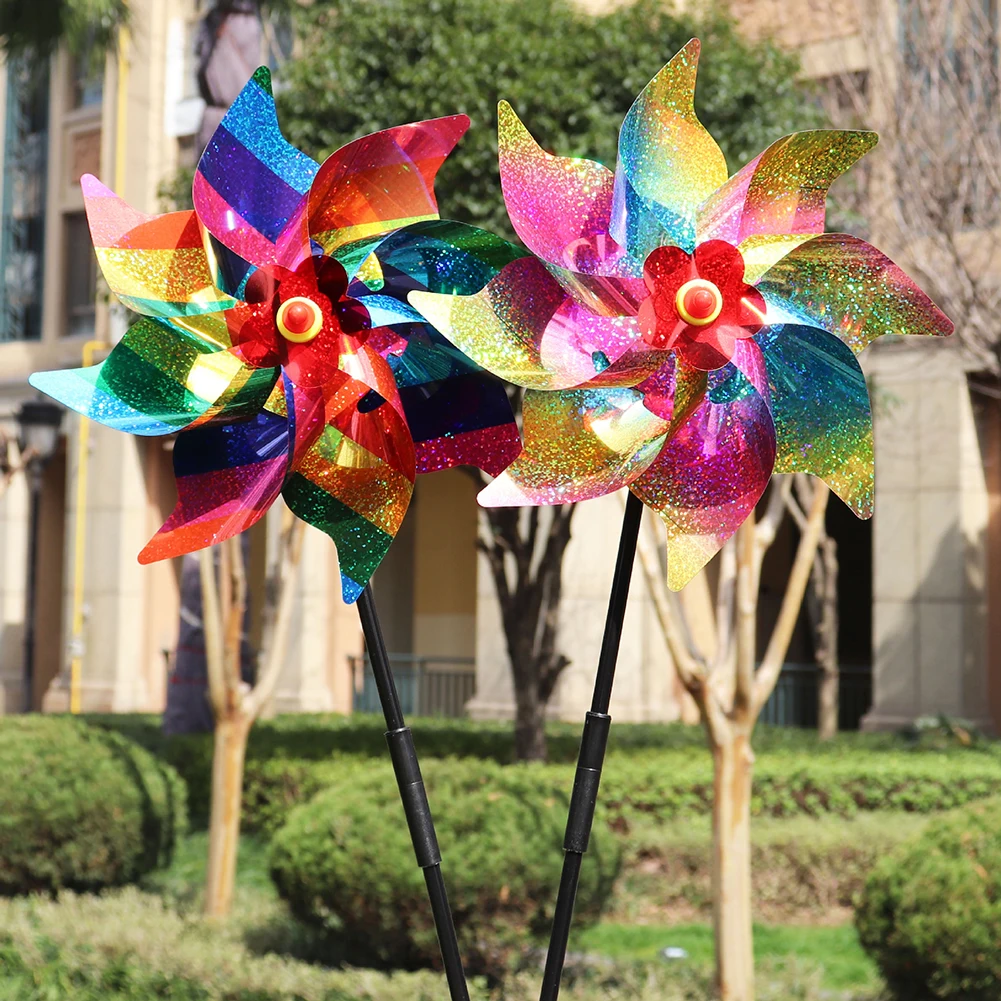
<point>794,701</point>
<point>428,686</point>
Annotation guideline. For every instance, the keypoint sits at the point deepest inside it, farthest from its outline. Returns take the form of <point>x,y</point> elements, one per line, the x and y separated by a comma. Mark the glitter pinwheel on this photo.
<point>253,348</point>
<point>680,332</point>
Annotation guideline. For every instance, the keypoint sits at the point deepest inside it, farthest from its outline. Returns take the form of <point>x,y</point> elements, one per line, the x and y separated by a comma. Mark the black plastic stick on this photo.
<point>415,801</point>
<point>592,753</point>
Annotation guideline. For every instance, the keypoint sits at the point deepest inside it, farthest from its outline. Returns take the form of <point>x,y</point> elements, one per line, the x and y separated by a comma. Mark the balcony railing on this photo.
<point>428,686</point>
<point>794,701</point>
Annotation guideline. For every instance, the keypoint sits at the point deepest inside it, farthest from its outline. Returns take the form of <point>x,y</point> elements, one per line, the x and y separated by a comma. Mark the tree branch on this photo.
<point>747,611</point>
<point>778,645</point>
<point>287,577</point>
<point>213,632</point>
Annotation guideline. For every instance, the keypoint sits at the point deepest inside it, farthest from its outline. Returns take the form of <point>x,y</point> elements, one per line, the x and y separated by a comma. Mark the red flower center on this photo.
<point>302,320</point>
<point>699,304</point>
<point>299,319</point>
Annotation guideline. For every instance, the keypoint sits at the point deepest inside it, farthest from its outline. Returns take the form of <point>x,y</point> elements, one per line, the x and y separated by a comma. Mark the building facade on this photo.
<point>916,584</point>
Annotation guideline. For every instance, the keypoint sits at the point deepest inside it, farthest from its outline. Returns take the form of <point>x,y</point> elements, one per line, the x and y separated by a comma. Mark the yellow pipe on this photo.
<point>80,541</point>
<point>83,442</point>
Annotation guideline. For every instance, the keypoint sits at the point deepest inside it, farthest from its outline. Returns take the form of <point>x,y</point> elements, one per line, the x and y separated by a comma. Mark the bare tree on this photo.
<point>525,548</point>
<point>932,89</point>
<point>236,704</point>
<point>720,675</point>
<point>822,609</point>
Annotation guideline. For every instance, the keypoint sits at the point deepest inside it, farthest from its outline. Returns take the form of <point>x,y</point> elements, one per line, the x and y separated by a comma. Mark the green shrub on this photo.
<point>930,913</point>
<point>345,861</point>
<point>660,787</point>
<point>81,807</point>
<point>657,771</point>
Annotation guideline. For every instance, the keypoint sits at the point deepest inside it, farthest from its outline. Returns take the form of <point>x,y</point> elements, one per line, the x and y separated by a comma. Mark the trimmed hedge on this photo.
<point>81,807</point>
<point>669,785</point>
<point>345,862</point>
<point>280,750</point>
<point>930,913</point>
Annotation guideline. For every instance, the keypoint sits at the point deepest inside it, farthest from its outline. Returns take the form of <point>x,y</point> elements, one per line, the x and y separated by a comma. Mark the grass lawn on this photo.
<point>835,952</point>
<point>832,955</point>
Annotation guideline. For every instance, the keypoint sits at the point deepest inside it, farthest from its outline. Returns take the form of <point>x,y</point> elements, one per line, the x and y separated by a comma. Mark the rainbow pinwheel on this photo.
<point>255,345</point>
<point>680,332</point>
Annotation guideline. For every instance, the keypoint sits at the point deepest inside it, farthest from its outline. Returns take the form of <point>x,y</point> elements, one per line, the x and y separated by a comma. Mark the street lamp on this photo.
<point>38,424</point>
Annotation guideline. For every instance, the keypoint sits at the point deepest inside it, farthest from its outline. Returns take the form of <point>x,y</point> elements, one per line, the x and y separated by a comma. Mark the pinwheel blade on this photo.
<point>820,405</point>
<point>524,328</point>
<point>250,182</point>
<point>784,189</point>
<point>850,289</point>
<point>354,481</point>
<point>710,473</point>
<point>378,184</point>
<point>227,477</point>
<point>160,379</point>
<point>579,444</point>
<point>668,163</point>
<point>156,265</point>
<point>561,207</point>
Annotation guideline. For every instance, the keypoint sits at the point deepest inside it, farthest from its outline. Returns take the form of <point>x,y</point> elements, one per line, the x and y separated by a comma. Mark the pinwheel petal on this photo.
<point>159,380</point>
<point>375,185</point>
<point>560,206</point>
<point>250,182</point>
<point>524,328</point>
<point>820,405</point>
<point>579,444</point>
<point>501,327</point>
<point>850,289</point>
<point>668,163</point>
<point>227,477</point>
<point>156,265</point>
<point>457,413</point>
<point>710,473</point>
<point>354,482</point>
<point>784,189</point>
<point>443,256</point>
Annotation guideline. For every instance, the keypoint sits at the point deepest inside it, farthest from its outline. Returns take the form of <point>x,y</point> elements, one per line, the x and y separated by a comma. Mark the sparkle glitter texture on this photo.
<point>847,287</point>
<point>322,422</point>
<point>583,318</point>
<point>560,207</point>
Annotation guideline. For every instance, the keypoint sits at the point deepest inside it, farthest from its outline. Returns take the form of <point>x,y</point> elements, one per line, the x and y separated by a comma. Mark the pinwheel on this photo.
<point>681,333</point>
<point>282,354</point>
<point>252,349</point>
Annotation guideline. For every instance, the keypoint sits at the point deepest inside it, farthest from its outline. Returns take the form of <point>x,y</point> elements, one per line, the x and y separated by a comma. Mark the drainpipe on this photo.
<point>83,441</point>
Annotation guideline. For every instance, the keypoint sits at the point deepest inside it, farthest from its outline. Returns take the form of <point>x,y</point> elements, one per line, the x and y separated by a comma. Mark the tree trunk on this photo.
<point>529,722</point>
<point>733,762</point>
<point>231,736</point>
<point>829,680</point>
<point>828,702</point>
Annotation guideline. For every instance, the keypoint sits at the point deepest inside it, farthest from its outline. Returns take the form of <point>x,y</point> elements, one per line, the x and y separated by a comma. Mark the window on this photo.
<point>81,276</point>
<point>86,83</point>
<point>22,226</point>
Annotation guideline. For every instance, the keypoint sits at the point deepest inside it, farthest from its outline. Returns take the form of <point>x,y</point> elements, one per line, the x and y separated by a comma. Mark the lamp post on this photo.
<point>38,424</point>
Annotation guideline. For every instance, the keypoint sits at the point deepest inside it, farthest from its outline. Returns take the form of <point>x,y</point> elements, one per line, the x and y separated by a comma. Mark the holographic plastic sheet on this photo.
<point>603,320</point>
<point>784,189</point>
<point>265,405</point>
<point>820,406</point>
<point>560,206</point>
<point>847,287</point>
<point>155,264</point>
<point>579,444</point>
<point>250,182</point>
<point>668,162</point>
<point>709,475</point>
